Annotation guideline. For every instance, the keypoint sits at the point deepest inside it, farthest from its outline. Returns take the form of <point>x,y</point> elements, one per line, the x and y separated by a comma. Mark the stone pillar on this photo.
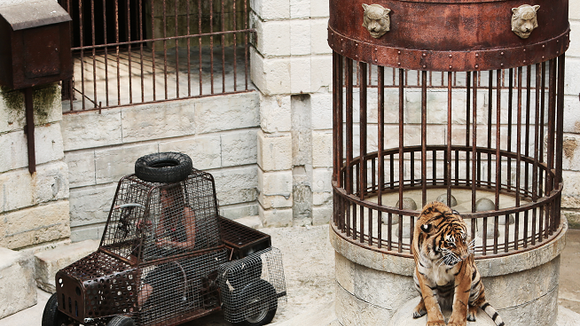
<point>571,167</point>
<point>291,67</point>
<point>34,209</point>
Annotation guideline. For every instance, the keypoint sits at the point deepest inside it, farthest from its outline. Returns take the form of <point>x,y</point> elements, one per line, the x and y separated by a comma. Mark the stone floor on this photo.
<point>309,267</point>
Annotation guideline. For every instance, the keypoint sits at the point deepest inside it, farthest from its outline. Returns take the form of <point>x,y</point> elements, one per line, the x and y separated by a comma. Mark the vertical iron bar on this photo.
<point>165,47</point>
<point>235,45</point>
<point>118,52</point>
<point>141,36</point>
<point>474,162</point>
<point>153,55</point>
<point>129,39</point>
<point>362,176</point>
<point>449,135</point>
<point>424,140</point>
<point>200,45</point>
<point>497,159</point>
<point>29,129</point>
<point>401,156</point>
<point>211,44</point>
<point>94,54</point>
<point>81,43</point>
<point>536,149</point>
<point>223,39</point>
<point>489,124</point>
<point>176,17</point>
<point>188,17</point>
<point>551,138</point>
<point>381,140</point>
<point>559,132</point>
<point>518,157</point>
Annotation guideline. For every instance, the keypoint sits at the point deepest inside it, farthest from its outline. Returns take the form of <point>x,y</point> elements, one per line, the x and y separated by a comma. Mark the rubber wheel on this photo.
<point>167,167</point>
<point>51,315</point>
<point>121,321</point>
<point>260,304</point>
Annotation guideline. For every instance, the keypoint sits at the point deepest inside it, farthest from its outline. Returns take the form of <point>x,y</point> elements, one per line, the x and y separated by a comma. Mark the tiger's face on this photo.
<point>442,236</point>
<point>376,19</point>
<point>524,20</point>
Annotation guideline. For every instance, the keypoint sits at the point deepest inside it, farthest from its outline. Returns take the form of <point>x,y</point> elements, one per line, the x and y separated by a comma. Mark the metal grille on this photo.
<point>252,285</point>
<point>499,139</point>
<point>182,288</point>
<point>142,51</point>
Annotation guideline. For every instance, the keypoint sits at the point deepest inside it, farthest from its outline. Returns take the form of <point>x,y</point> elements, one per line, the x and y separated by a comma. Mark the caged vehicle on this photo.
<point>167,257</point>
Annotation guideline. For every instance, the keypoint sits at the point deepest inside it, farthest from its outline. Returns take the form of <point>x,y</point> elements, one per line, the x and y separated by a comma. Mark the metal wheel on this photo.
<point>51,315</point>
<point>261,303</point>
<point>121,321</point>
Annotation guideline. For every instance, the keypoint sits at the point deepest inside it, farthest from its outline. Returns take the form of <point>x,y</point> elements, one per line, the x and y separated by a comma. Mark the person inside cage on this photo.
<point>174,234</point>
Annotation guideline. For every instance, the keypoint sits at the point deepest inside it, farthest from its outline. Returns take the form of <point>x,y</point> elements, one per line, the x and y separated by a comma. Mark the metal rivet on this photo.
<point>376,49</point>
<point>557,41</point>
<point>398,52</point>
<point>376,60</point>
<point>524,50</point>
<point>543,45</point>
<point>424,54</point>
<point>501,53</point>
<point>451,56</point>
<point>501,64</point>
<point>450,66</point>
<point>356,44</point>
<point>399,63</point>
<point>424,66</point>
<point>476,66</point>
<point>477,55</point>
<point>543,57</point>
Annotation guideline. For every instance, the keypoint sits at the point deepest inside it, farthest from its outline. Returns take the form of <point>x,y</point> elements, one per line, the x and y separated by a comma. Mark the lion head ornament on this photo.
<point>524,20</point>
<point>376,19</point>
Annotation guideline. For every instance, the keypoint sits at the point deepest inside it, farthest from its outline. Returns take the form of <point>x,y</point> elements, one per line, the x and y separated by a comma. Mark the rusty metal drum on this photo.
<point>449,35</point>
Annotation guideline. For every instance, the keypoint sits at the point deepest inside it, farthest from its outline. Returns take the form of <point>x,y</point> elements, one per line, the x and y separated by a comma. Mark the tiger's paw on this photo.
<point>436,323</point>
<point>419,313</point>
<point>456,323</point>
<point>420,310</point>
<point>471,314</point>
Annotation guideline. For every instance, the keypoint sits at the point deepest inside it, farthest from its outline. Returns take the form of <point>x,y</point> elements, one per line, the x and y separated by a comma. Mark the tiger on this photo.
<point>445,273</point>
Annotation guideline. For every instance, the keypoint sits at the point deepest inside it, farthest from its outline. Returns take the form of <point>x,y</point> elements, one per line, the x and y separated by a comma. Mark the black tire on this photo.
<point>167,167</point>
<point>51,315</point>
<point>260,303</point>
<point>121,321</point>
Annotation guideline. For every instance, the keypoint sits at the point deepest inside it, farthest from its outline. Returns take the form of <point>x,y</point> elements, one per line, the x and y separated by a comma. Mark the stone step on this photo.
<point>17,286</point>
<point>49,262</point>
<point>404,316</point>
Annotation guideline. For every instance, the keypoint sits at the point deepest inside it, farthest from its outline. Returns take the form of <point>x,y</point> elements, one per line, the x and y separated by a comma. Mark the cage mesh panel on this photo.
<point>184,286</point>
<point>122,233</point>
<point>252,284</point>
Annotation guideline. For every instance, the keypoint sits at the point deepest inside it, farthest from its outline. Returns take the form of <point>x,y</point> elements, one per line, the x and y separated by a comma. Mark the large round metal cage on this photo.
<point>464,111</point>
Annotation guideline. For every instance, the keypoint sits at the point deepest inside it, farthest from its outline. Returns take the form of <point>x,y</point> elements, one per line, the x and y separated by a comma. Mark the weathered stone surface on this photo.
<point>271,76</point>
<point>321,214</point>
<point>17,286</point>
<point>230,112</point>
<point>51,261</point>
<point>277,34</point>
<point>36,225</point>
<point>236,185</point>
<point>48,144</point>
<point>81,167</point>
<point>351,310</point>
<point>205,150</point>
<point>274,151</point>
<point>239,148</point>
<point>113,163</point>
<point>89,205</point>
<point>275,113</point>
<point>271,9</point>
<point>162,120</point>
<point>275,217</point>
<point>322,149</point>
<point>92,129</point>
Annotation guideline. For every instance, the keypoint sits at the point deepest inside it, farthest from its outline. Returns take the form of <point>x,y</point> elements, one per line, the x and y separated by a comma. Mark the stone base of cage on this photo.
<point>377,288</point>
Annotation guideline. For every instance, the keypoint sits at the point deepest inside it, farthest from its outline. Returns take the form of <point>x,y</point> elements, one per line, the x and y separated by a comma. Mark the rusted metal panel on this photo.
<point>449,35</point>
<point>35,43</point>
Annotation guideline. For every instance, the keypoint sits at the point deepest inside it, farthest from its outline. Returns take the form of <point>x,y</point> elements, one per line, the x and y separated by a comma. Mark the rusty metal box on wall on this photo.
<point>34,43</point>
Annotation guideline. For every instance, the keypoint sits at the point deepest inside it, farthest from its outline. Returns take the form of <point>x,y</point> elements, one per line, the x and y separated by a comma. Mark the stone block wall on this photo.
<point>218,133</point>
<point>34,209</point>
<point>571,174</point>
<point>292,69</point>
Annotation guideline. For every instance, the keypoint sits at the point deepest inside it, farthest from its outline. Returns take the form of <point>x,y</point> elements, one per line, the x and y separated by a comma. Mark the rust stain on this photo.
<point>570,146</point>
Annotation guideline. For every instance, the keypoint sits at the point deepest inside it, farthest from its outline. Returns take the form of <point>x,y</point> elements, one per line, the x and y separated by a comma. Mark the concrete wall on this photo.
<point>34,209</point>
<point>571,174</point>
